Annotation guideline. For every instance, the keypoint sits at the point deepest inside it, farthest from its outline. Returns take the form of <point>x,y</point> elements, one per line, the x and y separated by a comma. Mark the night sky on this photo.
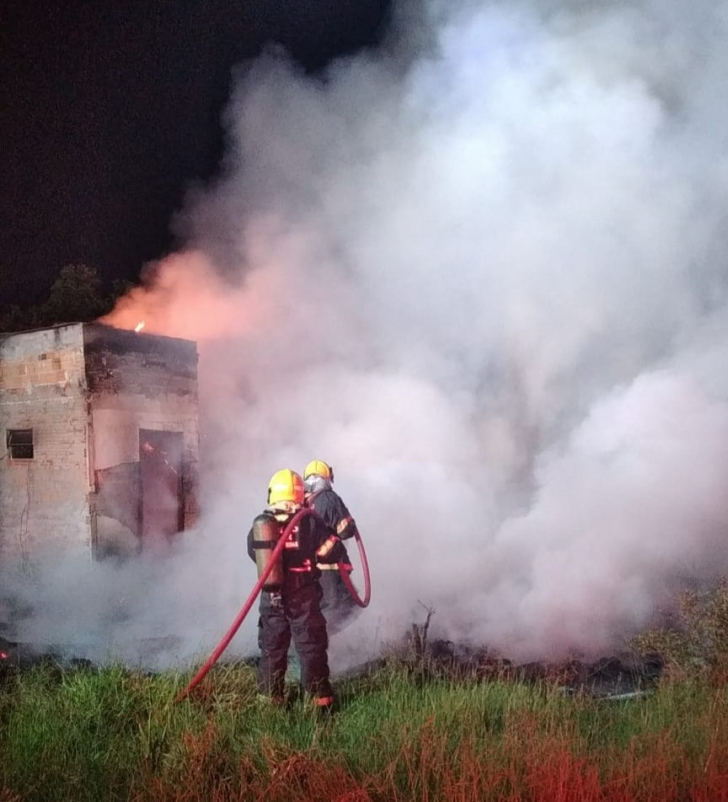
<point>110,110</point>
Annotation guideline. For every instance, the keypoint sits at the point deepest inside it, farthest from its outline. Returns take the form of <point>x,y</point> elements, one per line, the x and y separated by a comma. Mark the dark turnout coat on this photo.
<point>338,607</point>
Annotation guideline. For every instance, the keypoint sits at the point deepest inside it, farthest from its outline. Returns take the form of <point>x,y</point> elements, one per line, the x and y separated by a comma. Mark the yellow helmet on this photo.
<point>285,485</point>
<point>319,468</point>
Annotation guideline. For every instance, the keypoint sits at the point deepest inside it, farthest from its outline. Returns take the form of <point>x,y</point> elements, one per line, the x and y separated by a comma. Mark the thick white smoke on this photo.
<point>483,273</point>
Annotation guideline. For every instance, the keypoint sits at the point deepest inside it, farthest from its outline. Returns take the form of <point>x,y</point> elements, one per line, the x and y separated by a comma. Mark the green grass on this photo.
<point>114,734</point>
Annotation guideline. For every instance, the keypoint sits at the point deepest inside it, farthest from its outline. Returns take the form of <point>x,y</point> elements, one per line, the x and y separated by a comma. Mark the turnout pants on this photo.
<point>295,614</point>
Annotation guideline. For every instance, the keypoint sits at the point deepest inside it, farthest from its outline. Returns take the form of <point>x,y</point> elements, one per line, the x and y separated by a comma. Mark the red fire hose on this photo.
<point>245,609</point>
<point>367,579</point>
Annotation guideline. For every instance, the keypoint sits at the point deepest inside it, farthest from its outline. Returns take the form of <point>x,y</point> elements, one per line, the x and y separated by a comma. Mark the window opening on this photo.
<point>19,443</point>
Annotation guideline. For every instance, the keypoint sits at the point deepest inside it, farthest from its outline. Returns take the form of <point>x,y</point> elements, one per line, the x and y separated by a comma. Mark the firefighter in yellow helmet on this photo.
<point>338,606</point>
<point>290,599</point>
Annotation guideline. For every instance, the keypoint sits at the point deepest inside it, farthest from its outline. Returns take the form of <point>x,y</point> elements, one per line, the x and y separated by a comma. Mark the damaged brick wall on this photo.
<point>138,383</point>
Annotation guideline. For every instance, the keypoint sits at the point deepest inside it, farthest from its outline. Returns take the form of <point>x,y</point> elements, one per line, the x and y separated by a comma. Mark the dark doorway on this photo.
<point>160,469</point>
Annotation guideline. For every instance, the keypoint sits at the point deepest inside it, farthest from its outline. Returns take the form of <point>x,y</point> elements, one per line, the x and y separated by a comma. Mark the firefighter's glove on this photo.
<point>325,549</point>
<point>346,528</point>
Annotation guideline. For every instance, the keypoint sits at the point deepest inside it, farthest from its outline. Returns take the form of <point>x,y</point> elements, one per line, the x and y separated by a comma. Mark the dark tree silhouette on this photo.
<point>76,295</point>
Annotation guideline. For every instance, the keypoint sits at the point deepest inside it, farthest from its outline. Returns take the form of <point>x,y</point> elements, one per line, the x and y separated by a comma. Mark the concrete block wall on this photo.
<point>44,501</point>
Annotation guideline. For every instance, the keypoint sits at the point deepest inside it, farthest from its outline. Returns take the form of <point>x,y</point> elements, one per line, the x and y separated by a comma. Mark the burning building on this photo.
<point>100,429</point>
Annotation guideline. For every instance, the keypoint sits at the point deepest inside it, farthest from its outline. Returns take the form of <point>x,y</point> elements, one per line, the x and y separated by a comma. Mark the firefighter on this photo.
<point>290,599</point>
<point>338,606</point>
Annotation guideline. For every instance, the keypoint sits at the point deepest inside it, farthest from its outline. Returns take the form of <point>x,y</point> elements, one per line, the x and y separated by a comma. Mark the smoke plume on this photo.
<point>482,271</point>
